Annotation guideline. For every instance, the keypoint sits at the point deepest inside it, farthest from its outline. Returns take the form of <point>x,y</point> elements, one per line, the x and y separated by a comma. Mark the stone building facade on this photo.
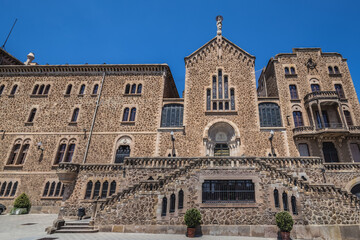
<point>119,141</point>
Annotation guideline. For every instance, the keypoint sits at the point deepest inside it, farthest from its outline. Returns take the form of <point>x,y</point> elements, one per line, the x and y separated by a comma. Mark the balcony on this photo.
<point>332,129</point>
<point>321,95</point>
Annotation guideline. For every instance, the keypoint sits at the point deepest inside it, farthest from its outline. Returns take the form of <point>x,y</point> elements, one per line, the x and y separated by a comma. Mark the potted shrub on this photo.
<point>22,205</point>
<point>285,222</point>
<point>192,219</point>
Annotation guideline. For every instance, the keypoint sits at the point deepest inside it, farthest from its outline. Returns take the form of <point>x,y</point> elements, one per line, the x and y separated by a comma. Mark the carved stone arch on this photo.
<point>296,107</point>
<point>352,183</point>
<point>123,140</point>
<point>314,81</point>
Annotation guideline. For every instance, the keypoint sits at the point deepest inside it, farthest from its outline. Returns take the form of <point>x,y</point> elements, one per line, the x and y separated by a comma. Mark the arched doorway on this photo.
<point>330,152</point>
<point>221,140</point>
<point>356,190</point>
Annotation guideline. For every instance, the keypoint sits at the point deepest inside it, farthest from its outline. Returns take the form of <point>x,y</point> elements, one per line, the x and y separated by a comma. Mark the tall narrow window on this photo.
<point>14,154</point>
<point>355,151</point>
<point>47,89</point>
<point>52,189</point>
<point>315,87</point>
<point>339,90</point>
<point>331,71</point>
<point>126,114</point>
<point>287,70</point>
<point>3,187</point>
<point>104,190</point>
<point>8,189</point>
<point>95,90</point>
<point>133,88</point>
<point>75,115</point>
<point>23,153</point>
<point>226,105</point>
<point>13,191</point>
<point>46,189</point>
<point>304,150</point>
<point>36,87</point>
<point>62,190</point>
<point>82,89</point>
<point>60,154</point>
<point>298,120</point>
<point>13,90</point>
<point>68,89</point>
<point>32,115</point>
<point>293,92</point>
<point>96,189</point>
<point>214,106</point>
<point>336,70</point>
<point>112,188</point>
<point>70,153</point>
<point>226,87</point>
<point>139,89</point>
<point>41,89</point>
<point>132,114</point>
<point>348,118</point>
<point>292,70</point>
<point>285,201</point>
<point>276,198</point>
<point>208,100</point>
<point>127,89</point>
<point>58,188</point>
<point>2,87</point>
<point>214,87</point>
<point>220,106</point>
<point>293,205</point>
<point>172,203</point>
<point>220,84</point>
<point>88,191</point>
<point>181,199</point>
<point>164,206</point>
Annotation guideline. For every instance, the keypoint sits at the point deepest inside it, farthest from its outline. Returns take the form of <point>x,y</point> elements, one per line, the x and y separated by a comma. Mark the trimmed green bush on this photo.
<point>22,201</point>
<point>284,221</point>
<point>18,211</point>
<point>192,218</point>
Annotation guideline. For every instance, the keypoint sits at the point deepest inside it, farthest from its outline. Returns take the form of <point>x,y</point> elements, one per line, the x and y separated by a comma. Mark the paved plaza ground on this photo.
<point>32,227</point>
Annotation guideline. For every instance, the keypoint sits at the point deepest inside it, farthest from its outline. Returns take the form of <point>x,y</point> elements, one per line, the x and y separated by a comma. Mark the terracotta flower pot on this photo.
<point>285,235</point>
<point>190,232</point>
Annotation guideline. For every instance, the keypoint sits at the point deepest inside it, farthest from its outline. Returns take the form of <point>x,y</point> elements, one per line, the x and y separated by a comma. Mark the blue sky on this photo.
<point>121,32</point>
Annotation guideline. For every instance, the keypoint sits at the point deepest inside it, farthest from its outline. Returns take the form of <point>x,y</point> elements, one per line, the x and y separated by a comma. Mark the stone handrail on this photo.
<point>101,167</point>
<point>303,129</point>
<point>321,95</point>
<point>354,128</point>
<point>285,162</point>
<point>342,166</point>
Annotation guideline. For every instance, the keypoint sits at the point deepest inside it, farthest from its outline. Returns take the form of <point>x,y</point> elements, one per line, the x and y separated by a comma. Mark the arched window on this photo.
<point>226,87</point>
<point>336,70</point>
<point>70,153</point>
<point>88,191</point>
<point>127,89</point>
<point>41,89</point>
<point>23,153</point>
<point>181,199</point>
<point>52,189</point>
<point>32,115</point>
<point>126,114</point>
<point>164,206</point>
<point>208,100</point>
<point>226,105</point>
<point>293,92</point>
<point>14,153</point>
<point>330,152</point>
<point>95,89</point>
<point>75,115</point>
<point>2,190</point>
<point>355,151</point>
<point>293,205</point>
<point>276,198</point>
<point>285,201</point>
<point>60,154</point>
<point>46,189</point>
<point>132,114</point>
<point>214,106</point>
<point>58,188</point>
<point>220,106</point>
<point>104,191</point>
<point>287,70</point>
<point>36,87</point>
<point>47,89</point>
<point>14,189</point>
<point>112,188</point>
<point>315,87</point>
<point>232,95</point>
<point>220,84</point>
<point>304,150</point>
<point>355,190</point>
<point>96,189</point>
<point>13,90</point>
<point>2,87</point>
<point>269,115</point>
<point>298,120</point>
<point>8,189</point>
<point>122,152</point>
<point>214,87</point>
<point>82,89</point>
<point>292,70</point>
<point>339,90</point>
<point>172,115</point>
<point>348,118</point>
<point>62,190</point>
<point>139,88</point>
<point>331,71</point>
<point>68,89</point>
<point>133,88</point>
<point>172,203</point>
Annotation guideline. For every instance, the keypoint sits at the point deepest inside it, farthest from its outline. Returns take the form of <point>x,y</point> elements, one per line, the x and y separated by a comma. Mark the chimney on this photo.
<point>30,58</point>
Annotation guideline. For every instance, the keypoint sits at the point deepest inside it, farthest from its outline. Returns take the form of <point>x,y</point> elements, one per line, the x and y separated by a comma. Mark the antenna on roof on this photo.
<point>3,46</point>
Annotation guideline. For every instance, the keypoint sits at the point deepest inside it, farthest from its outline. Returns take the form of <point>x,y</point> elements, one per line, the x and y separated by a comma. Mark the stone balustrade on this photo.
<point>321,95</point>
<point>342,166</point>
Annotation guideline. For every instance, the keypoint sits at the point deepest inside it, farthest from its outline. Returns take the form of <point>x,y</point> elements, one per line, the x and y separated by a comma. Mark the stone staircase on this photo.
<point>77,227</point>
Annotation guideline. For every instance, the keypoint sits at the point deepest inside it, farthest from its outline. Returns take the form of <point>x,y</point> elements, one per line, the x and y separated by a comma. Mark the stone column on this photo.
<point>321,116</point>
<point>312,116</point>
<point>342,116</point>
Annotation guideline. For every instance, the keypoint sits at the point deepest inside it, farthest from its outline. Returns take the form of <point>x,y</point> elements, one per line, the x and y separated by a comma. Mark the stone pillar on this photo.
<point>321,116</point>
<point>312,116</point>
<point>342,116</point>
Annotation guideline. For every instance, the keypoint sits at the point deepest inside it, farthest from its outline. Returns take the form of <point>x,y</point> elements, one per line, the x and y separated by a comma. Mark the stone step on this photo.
<point>77,231</point>
<point>77,223</point>
<point>84,227</point>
